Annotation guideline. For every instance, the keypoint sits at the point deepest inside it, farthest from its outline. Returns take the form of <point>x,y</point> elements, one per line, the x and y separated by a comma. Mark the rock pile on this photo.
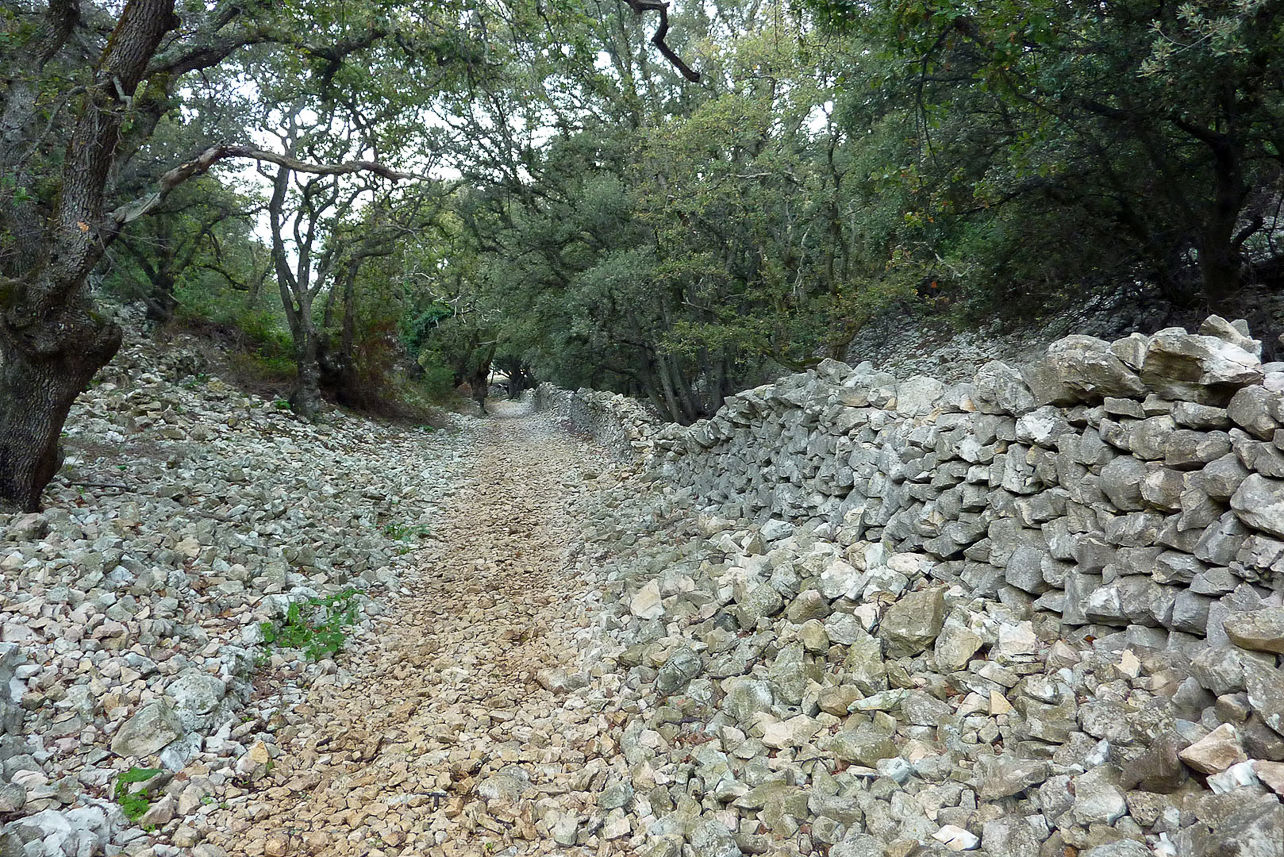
<point>1039,610</point>
<point>187,515</point>
<point>795,689</point>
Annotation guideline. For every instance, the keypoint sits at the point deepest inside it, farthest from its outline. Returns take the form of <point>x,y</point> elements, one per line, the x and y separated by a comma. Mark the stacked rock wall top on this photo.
<point>620,424</point>
<point>1135,484</point>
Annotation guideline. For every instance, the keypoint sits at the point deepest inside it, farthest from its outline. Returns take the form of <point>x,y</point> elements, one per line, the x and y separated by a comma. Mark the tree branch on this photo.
<point>60,19</point>
<point>662,6</point>
<point>202,163</point>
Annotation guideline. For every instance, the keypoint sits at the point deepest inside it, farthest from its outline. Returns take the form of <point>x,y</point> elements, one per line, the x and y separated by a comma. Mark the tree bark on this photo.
<point>42,373</point>
<point>306,398</point>
<point>161,302</point>
<point>52,341</point>
<point>672,403</point>
<point>477,380</point>
<point>1220,263</point>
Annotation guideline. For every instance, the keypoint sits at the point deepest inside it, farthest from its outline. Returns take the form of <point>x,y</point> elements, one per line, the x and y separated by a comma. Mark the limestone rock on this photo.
<point>646,602</point>
<point>912,624</point>
<point>956,838</point>
<point>1004,776</point>
<point>864,745</point>
<point>1090,370</point>
<point>955,646</point>
<point>1265,688</point>
<point>1254,828</point>
<point>858,844</point>
<point>683,664</point>
<point>151,728</point>
<point>1234,332</point>
<point>1260,630</point>
<point>1158,769</point>
<point>918,395</point>
<point>745,698</point>
<point>1259,503</point>
<point>1251,409</point>
<point>1272,774</point>
<point>1202,369</point>
<point>709,837</point>
<point>1216,751</point>
<point>1119,848</point>
<point>1097,798</point>
<point>1011,836</point>
<point>196,691</point>
<point>12,797</point>
<point>1000,389</point>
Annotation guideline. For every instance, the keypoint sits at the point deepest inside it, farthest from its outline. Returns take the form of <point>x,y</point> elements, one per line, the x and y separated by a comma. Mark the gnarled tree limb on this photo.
<point>202,163</point>
<point>662,6</point>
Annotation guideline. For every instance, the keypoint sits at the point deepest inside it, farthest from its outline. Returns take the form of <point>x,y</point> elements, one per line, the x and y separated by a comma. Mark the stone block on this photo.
<point>1259,503</point>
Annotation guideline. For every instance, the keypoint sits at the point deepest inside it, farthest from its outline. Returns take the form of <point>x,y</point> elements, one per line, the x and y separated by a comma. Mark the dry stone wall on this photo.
<point>1038,613</point>
<point>1136,484</point>
<point>620,424</point>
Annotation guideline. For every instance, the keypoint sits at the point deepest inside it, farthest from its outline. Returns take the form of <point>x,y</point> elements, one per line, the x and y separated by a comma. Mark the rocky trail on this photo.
<point>853,616</point>
<point>441,709</point>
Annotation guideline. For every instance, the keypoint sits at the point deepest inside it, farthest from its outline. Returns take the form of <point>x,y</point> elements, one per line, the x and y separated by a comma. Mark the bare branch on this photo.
<point>202,163</point>
<point>662,6</point>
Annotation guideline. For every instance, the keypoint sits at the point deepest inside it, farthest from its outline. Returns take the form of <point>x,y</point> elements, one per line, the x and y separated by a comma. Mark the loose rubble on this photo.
<point>187,514</point>
<point>464,725</point>
<point>1034,614</point>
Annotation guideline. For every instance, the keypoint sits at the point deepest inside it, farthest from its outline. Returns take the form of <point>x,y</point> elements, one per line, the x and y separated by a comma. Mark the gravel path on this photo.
<point>438,734</point>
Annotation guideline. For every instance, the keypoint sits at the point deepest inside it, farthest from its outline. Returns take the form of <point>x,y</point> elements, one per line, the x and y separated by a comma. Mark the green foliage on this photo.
<point>438,379</point>
<point>133,804</point>
<point>702,242</point>
<point>403,532</point>
<point>316,625</point>
<point>417,328</point>
<point>1088,144</point>
<point>614,226</point>
<point>263,347</point>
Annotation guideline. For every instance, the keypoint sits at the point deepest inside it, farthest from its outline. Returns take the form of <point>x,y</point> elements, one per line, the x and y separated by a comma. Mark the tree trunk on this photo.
<point>666,388</point>
<point>161,303</point>
<point>477,381</point>
<point>339,368</point>
<point>1220,264</point>
<point>52,341</point>
<point>681,388</point>
<point>41,375</point>
<point>306,399</point>
<point>348,339</point>
<point>522,380</point>
<point>718,389</point>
